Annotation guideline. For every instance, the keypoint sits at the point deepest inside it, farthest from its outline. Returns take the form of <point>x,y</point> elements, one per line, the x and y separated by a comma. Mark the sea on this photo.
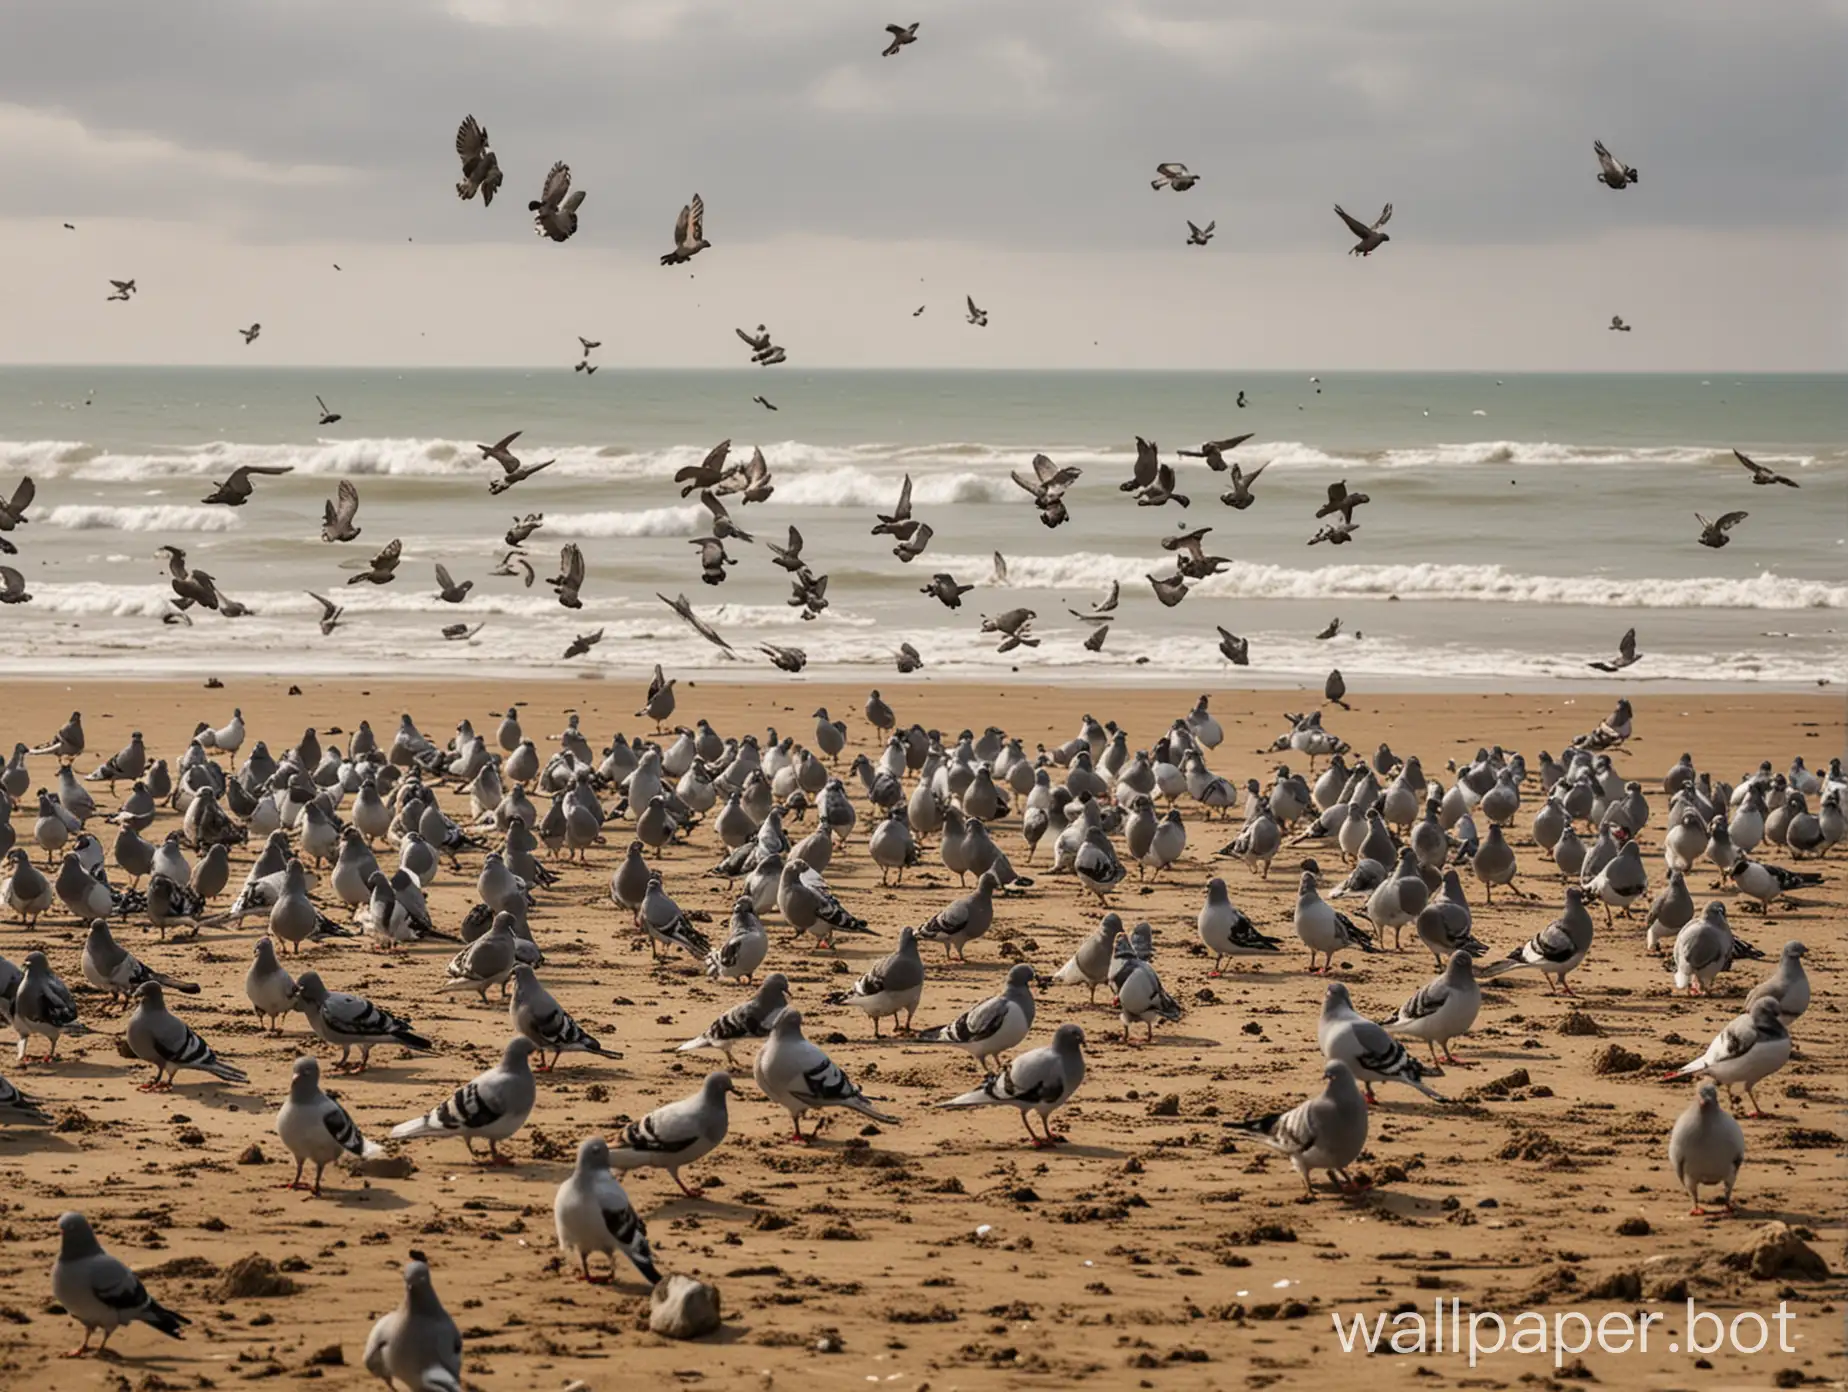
<point>1517,524</point>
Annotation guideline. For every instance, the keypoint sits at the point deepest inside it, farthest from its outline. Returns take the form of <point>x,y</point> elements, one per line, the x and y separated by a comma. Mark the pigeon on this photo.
<point>1372,1054</point>
<point>316,1129</point>
<point>492,1107</point>
<point>1714,534</point>
<point>1038,1081</point>
<point>384,566</point>
<point>352,1022</point>
<point>988,1031</point>
<point>330,612</point>
<point>1745,1053</point>
<point>763,403</point>
<point>100,1292</point>
<point>1556,949</point>
<point>1761,475</point>
<point>1234,649</point>
<point>1704,948</point>
<point>327,417</point>
<point>1441,1010</point>
<point>124,289</point>
<point>902,34</point>
<point>944,588</point>
<point>13,587</point>
<point>679,1133</point>
<point>1341,501</point>
<point>1090,964</point>
<point>891,986</point>
<point>540,1018</point>
<point>1617,324</point>
<point>1174,176</point>
<point>976,316</point>
<point>339,512</point>
<point>1371,238</point>
<point>417,1344</point>
<point>593,1214</point>
<point>685,610</point>
<point>689,233</point>
<point>108,966</point>
<point>1227,932</point>
<point>1626,654</point>
<point>1788,985</point>
<point>1706,1147</point>
<point>1612,172</point>
<point>751,1019</point>
<point>583,643</point>
<point>1200,236</point>
<point>237,489</point>
<point>796,1074</point>
<point>1322,928</point>
<point>570,577</point>
<point>481,171</point>
<point>1325,1133</point>
<point>250,334</point>
<point>555,210</point>
<point>43,1005</point>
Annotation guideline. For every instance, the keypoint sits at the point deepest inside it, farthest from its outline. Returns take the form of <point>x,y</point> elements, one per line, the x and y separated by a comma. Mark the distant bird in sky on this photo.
<point>902,34</point>
<point>689,233</point>
<point>1761,475</point>
<point>1617,324</point>
<point>1626,654</point>
<point>978,317</point>
<point>1371,238</point>
<point>583,643</point>
<point>70,227</point>
<point>916,312</point>
<point>1200,236</point>
<point>763,403</point>
<point>555,210</point>
<point>481,171</point>
<point>123,289</point>
<point>1341,501</point>
<point>250,334</point>
<point>1174,176</point>
<point>327,417</point>
<point>330,612</point>
<point>237,489</point>
<point>1241,401</point>
<point>1612,171</point>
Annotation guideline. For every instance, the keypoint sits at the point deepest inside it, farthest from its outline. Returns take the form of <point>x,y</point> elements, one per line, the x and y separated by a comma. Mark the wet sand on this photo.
<point>1158,1248</point>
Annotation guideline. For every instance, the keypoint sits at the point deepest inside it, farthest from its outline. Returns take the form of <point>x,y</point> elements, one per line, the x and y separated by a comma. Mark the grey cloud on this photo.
<point>1035,123</point>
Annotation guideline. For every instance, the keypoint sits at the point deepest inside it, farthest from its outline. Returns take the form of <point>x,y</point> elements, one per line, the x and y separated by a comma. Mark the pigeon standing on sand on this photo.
<point>352,1022</point>
<point>751,1019</point>
<point>157,1036</point>
<point>1227,932</point>
<point>678,1134</point>
<point>315,1128</point>
<point>1556,949</point>
<point>892,986</point>
<point>1368,1050</point>
<point>100,1292</point>
<point>417,1344</point>
<point>991,1029</point>
<point>1745,1053</point>
<point>43,1005</point>
<point>797,1075</point>
<point>108,966</point>
<point>491,1108</point>
<point>1441,1010</point>
<point>1322,928</point>
<point>1789,986</point>
<point>538,1016</point>
<point>1039,1081</point>
<point>1325,1133</point>
<point>1706,1147</point>
<point>592,1214</point>
<point>1089,966</point>
<point>269,989</point>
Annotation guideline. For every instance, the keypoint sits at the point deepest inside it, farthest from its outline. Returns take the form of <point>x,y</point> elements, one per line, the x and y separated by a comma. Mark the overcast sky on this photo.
<point>227,153</point>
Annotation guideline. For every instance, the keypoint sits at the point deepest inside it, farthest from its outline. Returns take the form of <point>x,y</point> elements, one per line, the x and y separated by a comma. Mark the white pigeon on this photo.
<point>592,1213</point>
<point>1745,1053</point>
<point>417,1344</point>
<point>796,1074</point>
<point>315,1128</point>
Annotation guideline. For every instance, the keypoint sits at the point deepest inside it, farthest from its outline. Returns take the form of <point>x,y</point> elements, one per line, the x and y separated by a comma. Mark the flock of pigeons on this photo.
<point>530,821</point>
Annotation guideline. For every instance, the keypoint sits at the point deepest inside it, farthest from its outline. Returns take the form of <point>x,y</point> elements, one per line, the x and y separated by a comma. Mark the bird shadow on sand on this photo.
<point>37,1141</point>
<point>376,1199</point>
<point>683,1207</point>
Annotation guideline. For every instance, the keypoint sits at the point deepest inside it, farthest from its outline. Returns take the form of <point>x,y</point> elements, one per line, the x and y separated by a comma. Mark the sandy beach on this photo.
<point>1158,1248</point>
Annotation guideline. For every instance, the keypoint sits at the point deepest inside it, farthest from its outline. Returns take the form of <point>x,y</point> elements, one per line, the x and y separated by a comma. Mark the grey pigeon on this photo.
<point>109,966</point>
<point>43,1005</point>
<point>1038,1081</point>
<point>1325,1133</point>
<point>797,1075</point>
<point>417,1344</point>
<point>159,1037</point>
<point>352,1022</point>
<point>988,1031</point>
<point>315,1128</point>
<point>592,1213</point>
<point>100,1292</point>
<point>1706,1147</point>
<point>1368,1050</point>
<point>539,1017</point>
<point>679,1133</point>
<point>491,1108</point>
<point>891,986</point>
<point>751,1019</point>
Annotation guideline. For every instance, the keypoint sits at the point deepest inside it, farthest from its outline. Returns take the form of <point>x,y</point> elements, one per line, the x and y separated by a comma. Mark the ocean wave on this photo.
<point>850,487</point>
<point>1429,581</point>
<point>649,522</point>
<point>442,458</point>
<point>159,517</point>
